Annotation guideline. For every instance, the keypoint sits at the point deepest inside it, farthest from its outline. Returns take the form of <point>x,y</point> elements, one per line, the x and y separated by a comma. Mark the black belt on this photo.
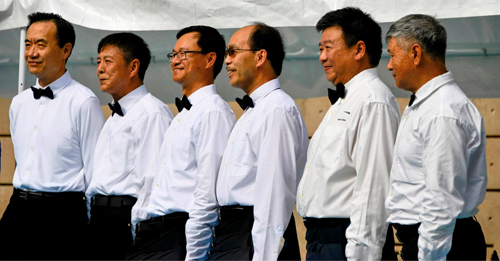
<point>413,228</point>
<point>113,201</point>
<point>161,221</point>
<point>235,210</point>
<point>325,222</point>
<point>38,195</point>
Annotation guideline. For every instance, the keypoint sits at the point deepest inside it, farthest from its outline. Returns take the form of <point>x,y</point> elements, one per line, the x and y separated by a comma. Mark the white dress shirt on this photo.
<point>439,170</point>
<point>348,164</point>
<point>188,165</point>
<point>54,140</point>
<point>127,150</point>
<point>263,163</point>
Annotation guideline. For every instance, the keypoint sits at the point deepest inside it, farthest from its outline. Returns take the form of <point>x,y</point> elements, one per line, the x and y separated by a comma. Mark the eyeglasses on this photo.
<point>231,51</point>
<point>180,55</point>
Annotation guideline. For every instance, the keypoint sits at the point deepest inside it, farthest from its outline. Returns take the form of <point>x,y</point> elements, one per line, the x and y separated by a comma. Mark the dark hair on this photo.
<point>421,29</point>
<point>356,26</point>
<point>132,47</point>
<point>209,40</point>
<point>65,33</point>
<point>268,38</point>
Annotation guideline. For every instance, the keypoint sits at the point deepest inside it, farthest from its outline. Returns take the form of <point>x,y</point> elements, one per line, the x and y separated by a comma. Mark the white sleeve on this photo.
<point>276,181</point>
<point>372,158</point>
<point>90,122</point>
<point>214,133</point>
<point>445,169</point>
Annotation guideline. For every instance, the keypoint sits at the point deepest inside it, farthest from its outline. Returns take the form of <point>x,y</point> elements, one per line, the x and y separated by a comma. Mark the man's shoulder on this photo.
<point>151,105</point>
<point>78,92</point>
<point>215,103</point>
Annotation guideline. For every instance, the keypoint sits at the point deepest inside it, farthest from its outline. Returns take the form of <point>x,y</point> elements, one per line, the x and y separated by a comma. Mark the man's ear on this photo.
<point>134,67</point>
<point>67,50</point>
<point>360,48</point>
<point>260,57</point>
<point>416,53</point>
<point>211,57</point>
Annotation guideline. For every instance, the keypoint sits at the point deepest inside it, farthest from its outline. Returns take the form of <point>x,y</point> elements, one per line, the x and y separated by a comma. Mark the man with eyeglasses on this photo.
<point>265,155</point>
<point>182,205</point>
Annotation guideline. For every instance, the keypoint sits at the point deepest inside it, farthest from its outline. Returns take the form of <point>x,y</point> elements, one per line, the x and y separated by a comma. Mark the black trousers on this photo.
<point>468,241</point>
<point>233,235</point>
<point>44,226</point>
<point>160,238</point>
<point>326,239</point>
<point>109,231</point>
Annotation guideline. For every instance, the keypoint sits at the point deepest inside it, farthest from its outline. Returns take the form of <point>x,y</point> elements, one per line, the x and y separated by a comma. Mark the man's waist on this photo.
<point>311,222</point>
<point>112,201</point>
<point>161,222</point>
<point>41,195</point>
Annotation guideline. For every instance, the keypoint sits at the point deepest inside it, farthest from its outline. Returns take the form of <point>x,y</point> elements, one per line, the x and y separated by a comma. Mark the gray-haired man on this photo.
<point>438,176</point>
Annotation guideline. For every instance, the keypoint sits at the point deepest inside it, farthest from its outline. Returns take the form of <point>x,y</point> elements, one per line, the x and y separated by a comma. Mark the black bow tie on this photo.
<point>412,99</point>
<point>335,95</point>
<point>116,108</point>
<point>245,102</point>
<point>47,92</point>
<point>184,103</point>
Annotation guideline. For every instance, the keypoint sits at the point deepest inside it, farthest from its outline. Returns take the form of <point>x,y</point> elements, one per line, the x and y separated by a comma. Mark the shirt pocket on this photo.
<point>409,160</point>
<point>331,147</point>
<point>243,157</point>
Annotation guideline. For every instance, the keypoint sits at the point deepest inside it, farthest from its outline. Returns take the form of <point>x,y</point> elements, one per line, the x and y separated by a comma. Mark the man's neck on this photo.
<point>190,89</point>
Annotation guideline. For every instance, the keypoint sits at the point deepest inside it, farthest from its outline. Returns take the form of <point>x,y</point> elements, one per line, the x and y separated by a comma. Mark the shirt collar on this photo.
<point>355,82</point>
<point>57,85</point>
<point>200,94</point>
<point>263,90</point>
<point>429,87</point>
<point>127,101</point>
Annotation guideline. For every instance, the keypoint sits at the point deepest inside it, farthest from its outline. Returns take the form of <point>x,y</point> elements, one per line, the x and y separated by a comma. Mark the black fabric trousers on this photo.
<point>290,250</point>
<point>109,231</point>
<point>160,238</point>
<point>326,239</point>
<point>44,227</point>
<point>468,241</point>
<point>233,235</point>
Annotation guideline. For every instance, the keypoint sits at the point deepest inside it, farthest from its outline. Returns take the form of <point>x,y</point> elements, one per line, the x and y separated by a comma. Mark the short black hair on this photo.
<point>209,40</point>
<point>268,38</point>
<point>132,47</point>
<point>65,33</point>
<point>356,26</point>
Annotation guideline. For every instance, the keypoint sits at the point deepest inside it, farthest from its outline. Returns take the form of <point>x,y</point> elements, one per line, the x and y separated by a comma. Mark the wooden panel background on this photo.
<point>313,111</point>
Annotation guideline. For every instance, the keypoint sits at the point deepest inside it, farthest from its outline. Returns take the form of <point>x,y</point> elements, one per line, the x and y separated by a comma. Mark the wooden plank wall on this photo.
<point>313,110</point>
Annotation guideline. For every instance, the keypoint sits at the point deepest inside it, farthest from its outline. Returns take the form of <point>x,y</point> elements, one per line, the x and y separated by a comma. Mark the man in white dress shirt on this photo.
<point>189,159</point>
<point>265,155</point>
<point>127,150</point>
<point>54,127</point>
<point>439,175</point>
<point>346,180</point>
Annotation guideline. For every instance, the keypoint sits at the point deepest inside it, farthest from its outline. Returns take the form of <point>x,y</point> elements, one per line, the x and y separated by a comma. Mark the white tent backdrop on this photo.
<point>473,38</point>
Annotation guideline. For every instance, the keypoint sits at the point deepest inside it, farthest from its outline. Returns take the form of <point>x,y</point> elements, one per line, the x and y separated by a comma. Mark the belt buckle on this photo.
<point>24,195</point>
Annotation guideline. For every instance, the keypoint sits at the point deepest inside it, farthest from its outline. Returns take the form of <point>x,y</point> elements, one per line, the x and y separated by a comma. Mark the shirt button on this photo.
<point>392,168</point>
<point>178,120</point>
<point>300,196</point>
<point>41,106</point>
<point>27,172</point>
<point>307,167</point>
<point>157,185</point>
<point>35,128</point>
<point>406,116</point>
<point>164,163</point>
<point>390,193</point>
<point>31,150</point>
<point>391,215</point>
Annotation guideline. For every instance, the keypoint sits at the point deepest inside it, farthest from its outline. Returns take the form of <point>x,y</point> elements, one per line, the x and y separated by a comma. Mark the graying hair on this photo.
<point>423,30</point>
